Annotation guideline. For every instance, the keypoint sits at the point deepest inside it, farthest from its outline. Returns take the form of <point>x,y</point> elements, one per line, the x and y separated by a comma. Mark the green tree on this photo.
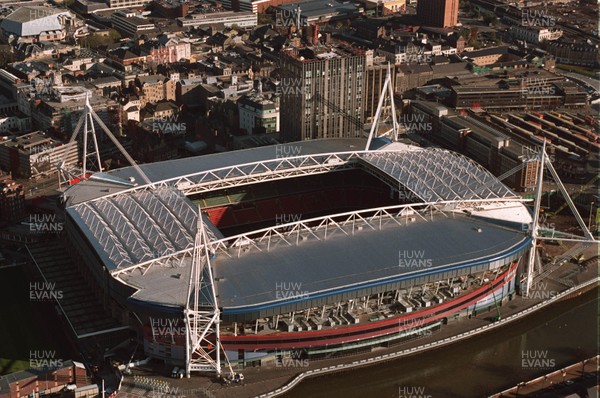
<point>265,19</point>
<point>490,19</point>
<point>6,57</point>
<point>96,40</point>
<point>114,35</point>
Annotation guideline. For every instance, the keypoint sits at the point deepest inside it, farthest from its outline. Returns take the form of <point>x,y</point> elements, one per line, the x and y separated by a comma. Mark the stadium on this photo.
<point>308,249</point>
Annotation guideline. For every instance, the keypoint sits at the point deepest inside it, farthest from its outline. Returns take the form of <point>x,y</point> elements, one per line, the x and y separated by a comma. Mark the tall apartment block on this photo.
<point>321,91</point>
<point>438,13</point>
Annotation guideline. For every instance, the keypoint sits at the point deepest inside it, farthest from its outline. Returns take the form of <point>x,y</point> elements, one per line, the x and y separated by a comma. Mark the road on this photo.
<point>41,187</point>
<point>581,79</point>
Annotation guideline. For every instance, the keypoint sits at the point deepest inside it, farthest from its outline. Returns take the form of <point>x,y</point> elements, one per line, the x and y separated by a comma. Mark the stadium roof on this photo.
<point>442,247</point>
<point>438,175</point>
<point>139,227</point>
<point>366,258</point>
<point>170,169</point>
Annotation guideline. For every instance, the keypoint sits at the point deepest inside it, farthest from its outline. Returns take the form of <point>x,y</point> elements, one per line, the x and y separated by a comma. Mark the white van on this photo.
<point>70,387</point>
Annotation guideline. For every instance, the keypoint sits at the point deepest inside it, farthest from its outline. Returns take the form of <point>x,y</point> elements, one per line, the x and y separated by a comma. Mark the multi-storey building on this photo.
<point>258,114</point>
<point>12,199</point>
<point>322,92</point>
<point>255,6</point>
<point>157,88</point>
<point>579,53</point>
<point>128,22</point>
<point>170,49</point>
<point>60,114</point>
<point>535,34</point>
<point>35,153</point>
<point>126,3</point>
<point>377,68</point>
<point>513,94</point>
<point>18,122</point>
<point>438,13</point>
<point>489,146</point>
<point>242,19</point>
<point>188,92</point>
<point>412,76</point>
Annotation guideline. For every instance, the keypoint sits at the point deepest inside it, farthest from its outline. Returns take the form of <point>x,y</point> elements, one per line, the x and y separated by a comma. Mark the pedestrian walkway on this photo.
<point>581,377</point>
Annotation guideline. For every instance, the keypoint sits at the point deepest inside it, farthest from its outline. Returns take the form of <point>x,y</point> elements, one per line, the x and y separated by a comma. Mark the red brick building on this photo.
<point>34,381</point>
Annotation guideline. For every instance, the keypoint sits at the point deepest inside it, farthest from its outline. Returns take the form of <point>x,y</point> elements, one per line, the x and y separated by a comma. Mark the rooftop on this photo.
<point>30,143</point>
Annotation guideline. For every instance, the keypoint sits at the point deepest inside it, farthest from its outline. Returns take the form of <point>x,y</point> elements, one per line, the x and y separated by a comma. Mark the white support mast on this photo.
<point>388,90</point>
<point>582,242</point>
<point>533,230</point>
<point>89,129</point>
<point>87,122</point>
<point>201,314</point>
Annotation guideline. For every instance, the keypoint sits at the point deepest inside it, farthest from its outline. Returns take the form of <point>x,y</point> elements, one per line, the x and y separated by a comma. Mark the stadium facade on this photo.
<point>314,248</point>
